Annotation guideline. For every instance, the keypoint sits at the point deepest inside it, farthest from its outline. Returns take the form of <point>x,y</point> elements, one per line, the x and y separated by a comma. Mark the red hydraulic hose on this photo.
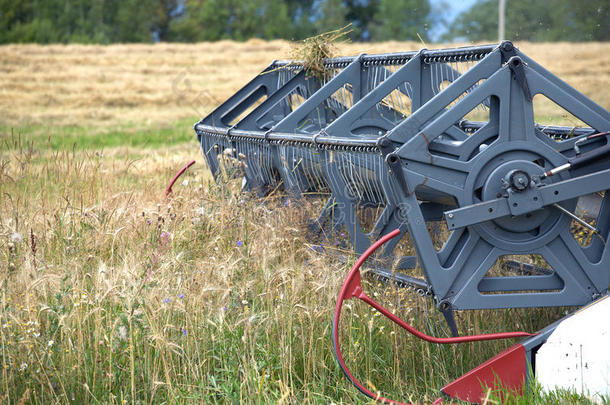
<point>171,183</point>
<point>352,287</point>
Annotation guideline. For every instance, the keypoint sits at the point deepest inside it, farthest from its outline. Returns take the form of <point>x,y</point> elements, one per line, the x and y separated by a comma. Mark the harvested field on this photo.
<point>106,86</point>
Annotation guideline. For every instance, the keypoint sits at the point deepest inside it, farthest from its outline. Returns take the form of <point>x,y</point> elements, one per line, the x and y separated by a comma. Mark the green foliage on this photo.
<point>233,19</point>
<point>109,21</point>
<point>333,14</point>
<point>553,20</point>
<point>401,20</point>
<point>81,21</point>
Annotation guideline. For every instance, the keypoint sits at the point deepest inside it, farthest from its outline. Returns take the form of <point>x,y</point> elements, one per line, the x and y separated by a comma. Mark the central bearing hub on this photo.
<point>518,180</point>
<point>515,175</point>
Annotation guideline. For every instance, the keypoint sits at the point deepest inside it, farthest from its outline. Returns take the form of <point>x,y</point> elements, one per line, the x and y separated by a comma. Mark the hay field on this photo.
<point>111,293</point>
<point>103,86</point>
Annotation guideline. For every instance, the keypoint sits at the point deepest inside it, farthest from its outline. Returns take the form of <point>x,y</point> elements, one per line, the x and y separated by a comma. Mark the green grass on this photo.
<point>83,137</point>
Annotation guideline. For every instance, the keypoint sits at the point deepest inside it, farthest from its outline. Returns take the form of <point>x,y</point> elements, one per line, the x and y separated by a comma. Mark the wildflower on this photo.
<point>50,343</point>
<point>167,300</point>
<point>185,183</point>
<point>287,203</point>
<point>184,332</point>
<point>16,237</point>
<point>239,243</point>
<point>23,366</point>
<point>122,332</point>
<point>224,308</point>
<point>181,296</point>
<point>244,302</point>
<point>166,236</point>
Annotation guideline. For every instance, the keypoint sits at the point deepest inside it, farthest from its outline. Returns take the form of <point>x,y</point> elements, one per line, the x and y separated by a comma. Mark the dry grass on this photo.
<point>312,52</point>
<point>149,85</point>
<point>110,293</point>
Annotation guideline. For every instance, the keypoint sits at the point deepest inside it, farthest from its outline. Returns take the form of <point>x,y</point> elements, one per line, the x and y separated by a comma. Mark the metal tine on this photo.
<point>251,159</point>
<point>372,176</point>
<point>263,154</point>
<point>294,163</point>
<point>361,177</point>
<point>308,161</point>
<point>378,172</point>
<point>302,166</point>
<point>433,77</point>
<point>271,166</point>
<point>376,84</point>
<point>358,176</point>
<point>259,163</point>
<point>315,168</point>
<point>348,178</point>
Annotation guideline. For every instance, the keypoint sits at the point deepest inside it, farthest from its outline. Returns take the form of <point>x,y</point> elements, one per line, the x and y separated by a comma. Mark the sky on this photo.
<point>454,8</point>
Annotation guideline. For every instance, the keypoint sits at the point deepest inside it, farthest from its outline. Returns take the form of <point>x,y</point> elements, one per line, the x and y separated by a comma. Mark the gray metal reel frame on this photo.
<point>456,274</point>
<point>341,207</point>
<point>511,140</point>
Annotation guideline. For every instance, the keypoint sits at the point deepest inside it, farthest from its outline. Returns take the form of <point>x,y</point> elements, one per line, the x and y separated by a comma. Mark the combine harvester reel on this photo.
<point>394,132</point>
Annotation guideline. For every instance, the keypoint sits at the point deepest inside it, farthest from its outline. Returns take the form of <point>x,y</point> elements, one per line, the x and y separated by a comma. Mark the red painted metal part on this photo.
<point>352,288</point>
<point>171,183</point>
<point>505,370</point>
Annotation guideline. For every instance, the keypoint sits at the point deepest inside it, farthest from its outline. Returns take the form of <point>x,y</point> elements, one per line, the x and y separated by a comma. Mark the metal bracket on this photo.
<point>523,202</point>
<point>516,66</point>
<point>393,161</point>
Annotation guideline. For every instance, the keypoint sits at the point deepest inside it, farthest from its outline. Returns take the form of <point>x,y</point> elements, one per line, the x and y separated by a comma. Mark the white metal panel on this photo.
<point>577,354</point>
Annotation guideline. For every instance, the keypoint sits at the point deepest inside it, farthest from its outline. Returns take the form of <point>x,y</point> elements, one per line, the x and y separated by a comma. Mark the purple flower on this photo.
<point>167,300</point>
<point>166,235</point>
<point>184,332</point>
<point>239,243</point>
<point>224,308</point>
<point>148,221</point>
<point>181,296</point>
<point>287,203</point>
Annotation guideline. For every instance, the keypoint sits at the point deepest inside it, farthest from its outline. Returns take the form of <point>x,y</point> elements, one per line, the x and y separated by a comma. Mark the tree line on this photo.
<point>111,21</point>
